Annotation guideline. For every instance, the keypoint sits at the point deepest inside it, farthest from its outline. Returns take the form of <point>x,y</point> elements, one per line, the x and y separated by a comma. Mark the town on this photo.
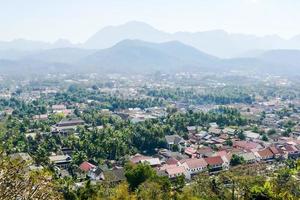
<point>89,131</point>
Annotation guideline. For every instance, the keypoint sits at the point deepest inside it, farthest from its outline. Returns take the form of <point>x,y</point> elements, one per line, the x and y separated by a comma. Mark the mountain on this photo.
<point>30,45</point>
<point>31,67</point>
<point>283,60</point>
<point>284,57</point>
<point>216,42</point>
<point>140,56</point>
<point>136,56</point>
<point>60,55</point>
<point>111,35</point>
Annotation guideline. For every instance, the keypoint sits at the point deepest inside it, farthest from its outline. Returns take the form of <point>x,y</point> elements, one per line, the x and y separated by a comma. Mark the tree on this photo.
<point>272,131</point>
<point>16,182</point>
<point>265,138</point>
<point>150,190</point>
<point>137,174</point>
<point>79,157</point>
<point>229,142</point>
<point>241,135</point>
<point>236,160</point>
<point>179,183</point>
<point>121,192</point>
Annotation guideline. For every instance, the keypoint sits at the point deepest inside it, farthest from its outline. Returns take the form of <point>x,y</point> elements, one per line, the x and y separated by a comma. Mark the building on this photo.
<point>176,171</point>
<point>265,154</point>
<point>86,166</point>
<point>214,163</point>
<point>193,165</point>
<point>61,161</point>
<point>173,140</point>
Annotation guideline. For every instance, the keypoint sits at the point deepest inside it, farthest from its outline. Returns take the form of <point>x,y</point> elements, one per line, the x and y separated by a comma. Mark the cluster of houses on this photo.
<point>204,158</point>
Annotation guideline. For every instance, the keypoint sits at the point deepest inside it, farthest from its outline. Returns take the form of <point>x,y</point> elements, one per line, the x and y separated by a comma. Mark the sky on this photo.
<point>77,20</point>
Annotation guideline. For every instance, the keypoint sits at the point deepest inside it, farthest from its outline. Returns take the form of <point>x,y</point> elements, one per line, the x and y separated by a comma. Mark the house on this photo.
<point>40,117</point>
<point>213,124</point>
<point>173,140</point>
<point>251,135</point>
<point>70,122</point>
<point>278,153</point>
<point>190,151</point>
<point>62,161</point>
<point>265,154</point>
<point>114,176</point>
<point>67,125</point>
<point>192,129</point>
<point>137,158</point>
<point>170,154</point>
<point>175,171</point>
<point>58,108</point>
<point>249,157</point>
<point>246,145</point>
<point>226,156</point>
<point>194,165</point>
<point>215,162</point>
<point>86,166</point>
<point>215,131</point>
<point>293,152</point>
<point>205,151</point>
<point>229,131</point>
<point>172,161</point>
<point>96,174</point>
<point>153,162</point>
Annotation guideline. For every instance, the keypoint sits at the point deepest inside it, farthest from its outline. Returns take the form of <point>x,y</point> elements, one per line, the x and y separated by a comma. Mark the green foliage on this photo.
<point>138,174</point>
<point>236,160</point>
<point>241,135</point>
<point>265,138</point>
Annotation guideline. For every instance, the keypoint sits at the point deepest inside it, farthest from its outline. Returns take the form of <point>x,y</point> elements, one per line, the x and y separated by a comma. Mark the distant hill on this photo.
<point>216,42</point>
<point>30,45</point>
<point>60,55</point>
<point>136,56</point>
<point>30,67</point>
<point>284,57</point>
<point>140,56</point>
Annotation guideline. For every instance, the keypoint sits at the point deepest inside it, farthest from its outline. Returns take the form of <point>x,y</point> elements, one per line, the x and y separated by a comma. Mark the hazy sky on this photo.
<point>76,20</point>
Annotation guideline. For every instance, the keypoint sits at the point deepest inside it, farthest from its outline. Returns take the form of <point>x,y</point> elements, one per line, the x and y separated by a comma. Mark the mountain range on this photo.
<point>137,56</point>
<point>216,42</point>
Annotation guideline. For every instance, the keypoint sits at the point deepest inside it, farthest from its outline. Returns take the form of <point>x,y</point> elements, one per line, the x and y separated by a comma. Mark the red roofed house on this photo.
<point>86,166</point>
<point>138,158</point>
<point>246,145</point>
<point>215,162</point>
<point>293,152</point>
<point>278,153</point>
<point>266,154</point>
<point>172,161</point>
<point>190,151</point>
<point>205,151</point>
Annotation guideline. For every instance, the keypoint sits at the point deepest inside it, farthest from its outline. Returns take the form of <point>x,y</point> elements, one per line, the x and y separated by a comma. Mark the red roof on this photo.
<point>190,151</point>
<point>266,153</point>
<point>215,160</point>
<point>171,161</point>
<point>290,148</point>
<point>86,166</point>
<point>205,150</point>
<point>246,145</point>
<point>138,158</point>
<point>274,150</point>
